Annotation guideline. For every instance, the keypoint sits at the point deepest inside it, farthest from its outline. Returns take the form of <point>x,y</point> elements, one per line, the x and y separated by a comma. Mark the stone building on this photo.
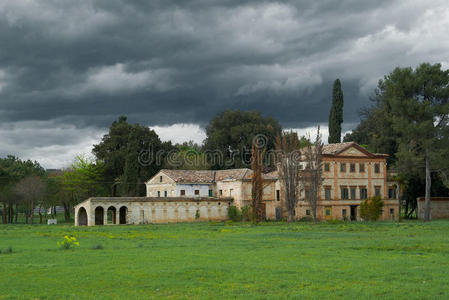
<point>351,174</point>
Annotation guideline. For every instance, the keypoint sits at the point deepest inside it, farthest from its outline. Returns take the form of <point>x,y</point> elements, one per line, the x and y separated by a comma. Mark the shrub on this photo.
<point>97,247</point>
<point>234,213</point>
<point>371,209</point>
<point>246,213</point>
<point>68,242</point>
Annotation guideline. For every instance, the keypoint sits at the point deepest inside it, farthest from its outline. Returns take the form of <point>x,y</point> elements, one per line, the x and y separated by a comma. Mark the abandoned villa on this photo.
<point>351,174</point>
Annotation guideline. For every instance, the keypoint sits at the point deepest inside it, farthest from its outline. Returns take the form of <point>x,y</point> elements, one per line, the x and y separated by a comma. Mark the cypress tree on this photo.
<point>336,113</point>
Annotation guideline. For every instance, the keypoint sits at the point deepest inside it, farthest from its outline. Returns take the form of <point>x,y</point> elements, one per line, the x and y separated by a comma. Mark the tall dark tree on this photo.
<point>131,154</point>
<point>230,135</point>
<point>336,113</point>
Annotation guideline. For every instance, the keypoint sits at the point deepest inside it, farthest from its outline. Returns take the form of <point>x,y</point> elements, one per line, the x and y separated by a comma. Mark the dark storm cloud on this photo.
<point>84,63</point>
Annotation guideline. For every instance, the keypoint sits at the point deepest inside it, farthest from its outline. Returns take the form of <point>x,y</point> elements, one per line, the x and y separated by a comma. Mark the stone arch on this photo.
<point>123,212</point>
<point>112,215</point>
<point>82,216</point>
<point>99,215</point>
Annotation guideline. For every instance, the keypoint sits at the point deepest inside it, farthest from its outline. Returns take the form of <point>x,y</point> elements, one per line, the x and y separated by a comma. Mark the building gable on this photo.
<point>156,179</point>
<point>353,151</point>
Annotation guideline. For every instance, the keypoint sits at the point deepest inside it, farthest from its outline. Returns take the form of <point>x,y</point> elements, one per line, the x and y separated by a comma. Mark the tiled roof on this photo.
<point>210,176</point>
<point>191,176</point>
<point>335,148</point>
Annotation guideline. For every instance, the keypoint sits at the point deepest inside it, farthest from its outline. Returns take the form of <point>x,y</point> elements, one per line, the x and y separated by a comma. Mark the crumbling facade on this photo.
<point>351,175</point>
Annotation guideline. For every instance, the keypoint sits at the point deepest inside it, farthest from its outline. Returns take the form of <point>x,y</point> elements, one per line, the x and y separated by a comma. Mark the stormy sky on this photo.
<point>69,68</point>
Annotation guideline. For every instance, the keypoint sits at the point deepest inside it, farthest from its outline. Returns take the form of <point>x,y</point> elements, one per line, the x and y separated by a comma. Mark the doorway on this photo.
<point>353,212</point>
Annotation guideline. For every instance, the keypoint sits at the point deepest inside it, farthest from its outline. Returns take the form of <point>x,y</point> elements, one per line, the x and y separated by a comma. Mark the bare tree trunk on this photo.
<point>17,213</point>
<point>5,221</point>
<point>399,202</point>
<point>32,212</point>
<point>428,188</point>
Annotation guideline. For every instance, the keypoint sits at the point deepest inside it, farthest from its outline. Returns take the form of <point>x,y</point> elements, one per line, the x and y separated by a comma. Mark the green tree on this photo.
<point>420,116</point>
<point>12,170</point>
<point>84,179</point>
<point>230,135</point>
<point>336,113</point>
<point>131,154</point>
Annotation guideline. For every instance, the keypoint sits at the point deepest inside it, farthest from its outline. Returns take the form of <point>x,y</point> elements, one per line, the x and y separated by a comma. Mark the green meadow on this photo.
<point>387,260</point>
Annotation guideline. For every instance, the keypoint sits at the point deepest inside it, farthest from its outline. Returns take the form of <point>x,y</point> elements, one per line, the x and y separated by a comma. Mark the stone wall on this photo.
<point>145,210</point>
<point>439,207</point>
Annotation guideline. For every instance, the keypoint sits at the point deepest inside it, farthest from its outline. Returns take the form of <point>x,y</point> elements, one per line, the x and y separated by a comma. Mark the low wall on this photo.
<point>146,210</point>
<point>439,207</point>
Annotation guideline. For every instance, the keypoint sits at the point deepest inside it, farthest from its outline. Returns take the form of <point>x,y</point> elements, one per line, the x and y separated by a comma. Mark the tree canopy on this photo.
<point>231,135</point>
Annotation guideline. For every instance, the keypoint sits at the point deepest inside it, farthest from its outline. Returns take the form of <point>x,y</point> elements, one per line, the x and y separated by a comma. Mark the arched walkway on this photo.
<point>82,217</point>
<point>112,215</point>
<point>122,213</point>
<point>99,215</point>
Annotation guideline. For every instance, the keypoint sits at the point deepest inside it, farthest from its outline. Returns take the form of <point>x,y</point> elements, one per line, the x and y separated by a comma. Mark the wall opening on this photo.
<point>112,215</point>
<point>82,217</point>
<point>123,212</point>
<point>99,216</point>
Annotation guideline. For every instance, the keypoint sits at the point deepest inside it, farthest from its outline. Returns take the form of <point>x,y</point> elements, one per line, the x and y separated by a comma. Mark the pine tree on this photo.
<point>336,113</point>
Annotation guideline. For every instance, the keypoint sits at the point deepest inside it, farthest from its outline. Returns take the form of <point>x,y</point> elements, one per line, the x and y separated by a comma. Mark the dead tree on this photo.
<point>312,175</point>
<point>288,160</point>
<point>31,189</point>
<point>257,157</point>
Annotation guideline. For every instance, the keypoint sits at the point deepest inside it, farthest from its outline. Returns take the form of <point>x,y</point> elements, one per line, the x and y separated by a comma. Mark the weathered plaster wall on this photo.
<point>439,207</point>
<point>158,210</point>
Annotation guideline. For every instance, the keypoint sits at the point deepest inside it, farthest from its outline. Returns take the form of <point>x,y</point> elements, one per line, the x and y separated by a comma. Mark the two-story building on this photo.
<point>351,175</point>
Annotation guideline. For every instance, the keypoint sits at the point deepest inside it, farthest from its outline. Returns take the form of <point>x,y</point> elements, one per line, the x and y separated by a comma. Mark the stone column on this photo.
<point>105,216</point>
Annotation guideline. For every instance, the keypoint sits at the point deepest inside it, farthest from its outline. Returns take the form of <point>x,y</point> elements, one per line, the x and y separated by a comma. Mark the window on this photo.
<point>278,195</point>
<point>361,168</point>
<point>377,191</point>
<point>307,193</point>
<point>183,192</point>
<point>328,211</point>
<point>352,168</point>
<point>220,192</point>
<point>363,193</point>
<point>391,211</point>
<point>344,193</point>
<point>342,167</point>
<point>307,212</point>
<point>160,178</point>
<point>158,193</point>
<point>392,193</point>
<point>327,193</point>
<point>211,193</point>
<point>353,193</point>
<point>376,168</point>
<point>327,167</point>
<point>165,193</point>
<point>197,192</point>
<point>343,212</point>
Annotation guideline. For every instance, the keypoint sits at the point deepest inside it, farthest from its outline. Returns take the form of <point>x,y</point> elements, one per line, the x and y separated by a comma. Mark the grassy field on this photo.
<point>220,260</point>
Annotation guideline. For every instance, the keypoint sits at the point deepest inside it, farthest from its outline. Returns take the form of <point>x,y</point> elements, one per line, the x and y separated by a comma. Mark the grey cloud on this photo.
<point>84,63</point>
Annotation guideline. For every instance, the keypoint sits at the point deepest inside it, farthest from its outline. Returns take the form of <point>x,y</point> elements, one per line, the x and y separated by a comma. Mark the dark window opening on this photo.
<point>278,195</point>
<point>352,168</point>
<point>376,168</point>
<point>342,167</point>
<point>327,167</point>
<point>183,192</point>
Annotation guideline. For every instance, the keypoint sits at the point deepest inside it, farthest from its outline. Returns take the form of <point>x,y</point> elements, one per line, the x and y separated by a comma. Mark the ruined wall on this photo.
<point>439,207</point>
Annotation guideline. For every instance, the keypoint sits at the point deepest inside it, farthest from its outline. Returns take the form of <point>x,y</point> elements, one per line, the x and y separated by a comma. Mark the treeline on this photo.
<point>408,120</point>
